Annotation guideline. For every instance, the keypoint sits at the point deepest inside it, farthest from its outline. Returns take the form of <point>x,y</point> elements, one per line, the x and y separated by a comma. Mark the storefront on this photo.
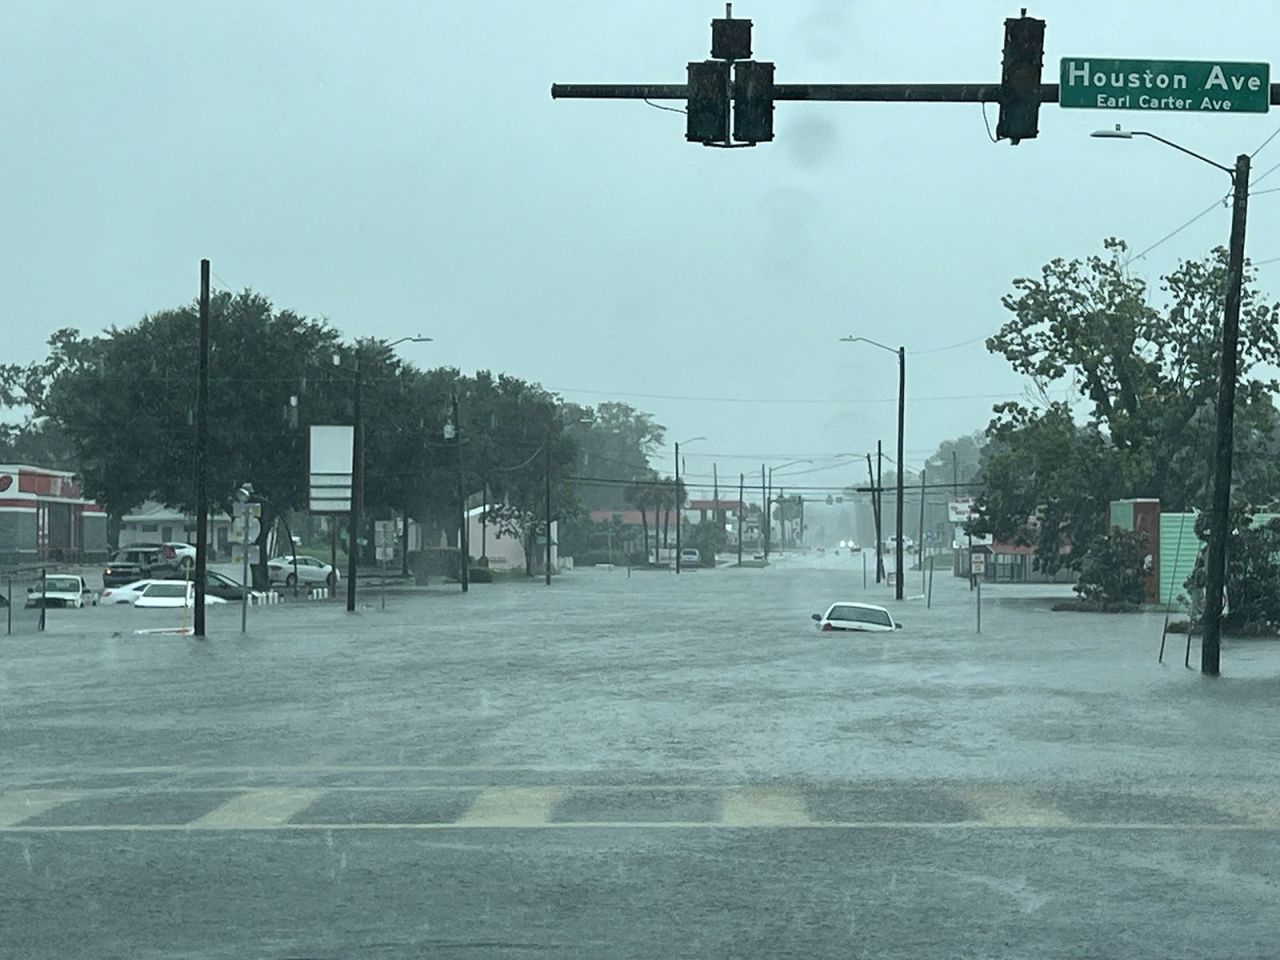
<point>43,518</point>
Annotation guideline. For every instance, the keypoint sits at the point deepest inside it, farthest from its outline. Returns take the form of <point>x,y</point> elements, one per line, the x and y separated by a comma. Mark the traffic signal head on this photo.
<point>752,101</point>
<point>707,106</point>
<point>1020,79</point>
<point>731,39</point>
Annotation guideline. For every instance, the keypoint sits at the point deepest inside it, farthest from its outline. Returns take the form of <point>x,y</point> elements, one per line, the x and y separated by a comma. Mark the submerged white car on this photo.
<point>129,593</point>
<point>172,593</point>
<point>864,617</point>
<point>60,590</point>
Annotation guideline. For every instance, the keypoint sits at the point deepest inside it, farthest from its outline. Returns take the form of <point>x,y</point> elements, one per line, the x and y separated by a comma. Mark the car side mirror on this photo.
<point>897,626</point>
<point>816,616</point>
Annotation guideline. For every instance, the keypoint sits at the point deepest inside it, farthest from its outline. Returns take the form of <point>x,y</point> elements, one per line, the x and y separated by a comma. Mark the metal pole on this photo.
<point>742,483</point>
<point>44,594</point>
<point>464,548</point>
<point>676,498</point>
<point>357,490</point>
<point>979,606</point>
<point>1211,644</point>
<point>902,405</point>
<point>547,473</point>
<point>875,509</point>
<point>929,591</point>
<point>920,540</point>
<point>244,576</point>
<point>333,555</point>
<point>9,606</point>
<point>864,570</point>
<point>764,518</point>
<point>202,452</point>
<point>484,527</point>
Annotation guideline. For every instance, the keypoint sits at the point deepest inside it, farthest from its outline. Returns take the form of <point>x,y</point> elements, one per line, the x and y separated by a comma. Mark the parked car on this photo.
<point>138,561</point>
<point>690,556</point>
<point>126,593</point>
<point>215,584</point>
<point>172,593</point>
<point>310,570</point>
<point>60,590</point>
<point>178,551</point>
<point>864,617</point>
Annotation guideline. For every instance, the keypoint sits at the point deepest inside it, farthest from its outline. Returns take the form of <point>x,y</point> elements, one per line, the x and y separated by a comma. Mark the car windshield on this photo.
<point>61,584</point>
<point>860,615</point>
<point>169,588</point>
<point>585,353</point>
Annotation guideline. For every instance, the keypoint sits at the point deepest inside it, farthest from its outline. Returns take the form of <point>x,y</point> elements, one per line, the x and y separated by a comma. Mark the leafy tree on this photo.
<point>1112,571</point>
<point>1253,573</point>
<point>942,467</point>
<point>1148,377</point>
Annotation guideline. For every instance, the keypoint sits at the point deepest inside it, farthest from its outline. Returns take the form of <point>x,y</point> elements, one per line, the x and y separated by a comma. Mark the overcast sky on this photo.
<point>401,168</point>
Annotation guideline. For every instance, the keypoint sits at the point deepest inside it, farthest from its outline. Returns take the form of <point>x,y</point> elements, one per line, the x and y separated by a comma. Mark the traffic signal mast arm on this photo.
<point>729,99</point>
<point>865,92</point>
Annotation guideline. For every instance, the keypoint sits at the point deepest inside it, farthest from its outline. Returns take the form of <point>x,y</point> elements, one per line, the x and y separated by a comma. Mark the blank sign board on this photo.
<point>329,468</point>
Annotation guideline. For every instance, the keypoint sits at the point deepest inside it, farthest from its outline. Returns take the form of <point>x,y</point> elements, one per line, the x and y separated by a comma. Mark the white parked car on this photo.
<point>129,593</point>
<point>690,556</point>
<point>178,551</point>
<point>172,593</point>
<point>60,590</point>
<point>864,617</point>
<point>310,570</point>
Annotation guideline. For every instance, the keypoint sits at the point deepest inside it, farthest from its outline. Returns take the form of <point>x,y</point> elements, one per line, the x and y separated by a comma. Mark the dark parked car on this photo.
<point>215,584</point>
<point>139,561</point>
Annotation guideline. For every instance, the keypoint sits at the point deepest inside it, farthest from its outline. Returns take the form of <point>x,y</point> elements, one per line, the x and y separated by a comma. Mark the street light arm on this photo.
<point>874,343</point>
<point>1191,153</point>
<point>418,339</point>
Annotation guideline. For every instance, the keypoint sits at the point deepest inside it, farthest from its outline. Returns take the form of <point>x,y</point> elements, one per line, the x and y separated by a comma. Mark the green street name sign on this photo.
<point>1195,86</point>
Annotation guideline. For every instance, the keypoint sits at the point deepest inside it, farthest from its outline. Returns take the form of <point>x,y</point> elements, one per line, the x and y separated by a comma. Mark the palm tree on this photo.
<point>640,495</point>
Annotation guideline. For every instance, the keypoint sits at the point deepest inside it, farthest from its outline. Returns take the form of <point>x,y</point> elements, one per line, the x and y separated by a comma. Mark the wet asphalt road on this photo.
<point>632,767</point>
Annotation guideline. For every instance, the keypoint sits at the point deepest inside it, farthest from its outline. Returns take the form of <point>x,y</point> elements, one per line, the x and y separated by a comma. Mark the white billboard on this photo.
<point>959,509</point>
<point>329,459</point>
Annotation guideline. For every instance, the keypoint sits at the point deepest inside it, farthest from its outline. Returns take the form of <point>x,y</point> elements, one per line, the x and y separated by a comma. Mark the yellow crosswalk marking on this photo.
<point>18,805</point>
<point>511,807</point>
<point>258,808</point>
<point>1002,806</point>
<point>764,807</point>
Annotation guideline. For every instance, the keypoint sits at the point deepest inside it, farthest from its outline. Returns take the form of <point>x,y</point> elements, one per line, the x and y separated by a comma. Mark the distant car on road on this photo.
<point>60,590</point>
<point>172,593</point>
<point>310,570</point>
<point>690,555</point>
<point>864,617</point>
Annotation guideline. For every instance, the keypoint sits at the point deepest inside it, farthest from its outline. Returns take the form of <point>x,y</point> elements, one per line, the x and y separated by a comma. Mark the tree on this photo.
<point>1113,571</point>
<point>643,495</point>
<point>1148,377</point>
<point>1253,573</point>
<point>957,460</point>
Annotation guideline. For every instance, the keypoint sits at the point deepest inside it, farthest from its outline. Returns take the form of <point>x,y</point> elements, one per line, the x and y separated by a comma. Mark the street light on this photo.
<point>677,497</point>
<point>357,468</point>
<point>902,401</point>
<point>1211,644</point>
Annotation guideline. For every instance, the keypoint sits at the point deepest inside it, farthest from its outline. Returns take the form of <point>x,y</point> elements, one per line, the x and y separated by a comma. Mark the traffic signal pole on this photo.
<point>729,99</point>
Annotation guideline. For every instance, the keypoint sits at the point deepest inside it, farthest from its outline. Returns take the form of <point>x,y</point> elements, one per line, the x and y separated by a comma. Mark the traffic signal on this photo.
<point>1020,79</point>
<point>707,106</point>
<point>753,101</point>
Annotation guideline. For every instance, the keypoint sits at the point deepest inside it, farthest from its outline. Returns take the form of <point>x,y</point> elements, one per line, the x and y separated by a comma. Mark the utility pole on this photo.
<point>676,498</point>
<point>464,548</point>
<point>357,488</point>
<point>875,513</point>
<point>920,541</point>
<point>880,505</point>
<point>715,500</point>
<point>742,491</point>
<point>547,477</point>
<point>1216,579</point>
<point>202,453</point>
<point>801,540</point>
<point>764,516</point>
<point>902,402</point>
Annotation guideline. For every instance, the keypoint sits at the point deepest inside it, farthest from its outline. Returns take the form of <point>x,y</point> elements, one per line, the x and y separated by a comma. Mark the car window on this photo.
<point>860,615</point>
<point>63,584</point>
<point>168,588</point>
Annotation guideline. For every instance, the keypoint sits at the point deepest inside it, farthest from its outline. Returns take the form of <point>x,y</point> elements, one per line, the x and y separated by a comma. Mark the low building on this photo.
<point>156,523</point>
<point>44,518</point>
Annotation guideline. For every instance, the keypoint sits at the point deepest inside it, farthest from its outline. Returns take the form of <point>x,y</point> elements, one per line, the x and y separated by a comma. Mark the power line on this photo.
<point>1177,230</point>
